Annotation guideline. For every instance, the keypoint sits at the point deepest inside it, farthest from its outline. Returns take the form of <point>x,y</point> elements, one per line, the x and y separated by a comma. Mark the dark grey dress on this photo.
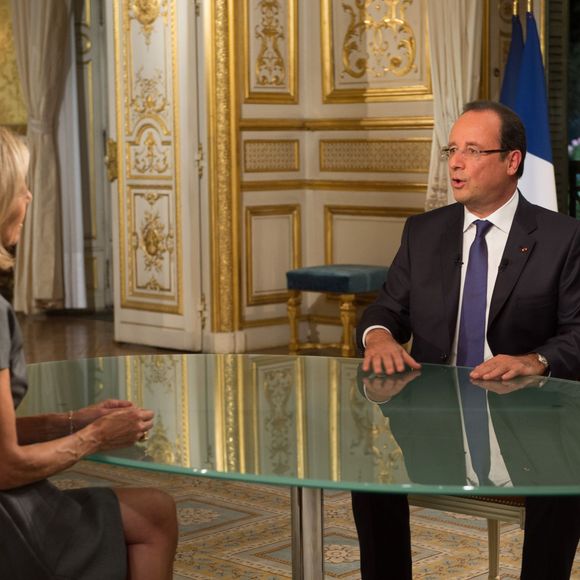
<point>46,533</point>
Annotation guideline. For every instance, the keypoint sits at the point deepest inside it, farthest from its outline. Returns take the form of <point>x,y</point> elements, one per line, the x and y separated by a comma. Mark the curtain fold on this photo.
<point>455,34</point>
<point>41,32</point>
<point>69,148</point>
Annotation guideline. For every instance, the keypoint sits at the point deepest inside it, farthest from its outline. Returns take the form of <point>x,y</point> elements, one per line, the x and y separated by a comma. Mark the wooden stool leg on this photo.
<point>294,301</point>
<point>347,317</point>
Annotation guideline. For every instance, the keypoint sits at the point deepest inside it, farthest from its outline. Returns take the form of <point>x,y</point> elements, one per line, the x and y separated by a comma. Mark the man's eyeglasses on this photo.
<point>470,152</point>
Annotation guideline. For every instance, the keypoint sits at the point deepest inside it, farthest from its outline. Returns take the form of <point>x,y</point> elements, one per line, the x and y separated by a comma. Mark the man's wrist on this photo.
<point>542,363</point>
<point>371,329</point>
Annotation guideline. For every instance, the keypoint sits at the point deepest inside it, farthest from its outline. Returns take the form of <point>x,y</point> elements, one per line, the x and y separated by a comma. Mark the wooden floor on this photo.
<point>72,336</point>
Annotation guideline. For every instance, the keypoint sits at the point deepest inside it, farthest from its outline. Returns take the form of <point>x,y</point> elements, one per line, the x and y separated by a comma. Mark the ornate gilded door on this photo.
<point>154,129</point>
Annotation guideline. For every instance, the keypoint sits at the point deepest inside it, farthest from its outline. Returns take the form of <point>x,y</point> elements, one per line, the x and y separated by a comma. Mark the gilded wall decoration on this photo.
<point>373,434</point>
<point>270,50</point>
<point>224,177</point>
<point>149,378</point>
<point>148,151</point>
<point>334,215</point>
<point>12,107</point>
<point>270,226</point>
<point>375,50</point>
<point>278,391</point>
<point>270,155</point>
<point>146,13</point>
<point>151,157</point>
<point>375,156</point>
<point>152,243</point>
<point>150,100</point>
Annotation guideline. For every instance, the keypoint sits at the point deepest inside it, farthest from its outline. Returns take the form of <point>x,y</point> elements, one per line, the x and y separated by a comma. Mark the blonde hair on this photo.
<point>14,159</point>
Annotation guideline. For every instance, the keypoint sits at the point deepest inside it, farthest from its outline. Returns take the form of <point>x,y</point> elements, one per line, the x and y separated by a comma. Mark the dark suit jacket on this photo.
<point>535,306</point>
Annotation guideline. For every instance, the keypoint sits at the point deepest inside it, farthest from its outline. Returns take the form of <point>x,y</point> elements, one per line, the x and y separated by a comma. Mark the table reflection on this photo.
<point>534,427</point>
<point>290,419</point>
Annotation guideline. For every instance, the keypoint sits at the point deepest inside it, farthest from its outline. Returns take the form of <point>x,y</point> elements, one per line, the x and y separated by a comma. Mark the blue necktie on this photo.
<point>472,322</point>
<point>470,349</point>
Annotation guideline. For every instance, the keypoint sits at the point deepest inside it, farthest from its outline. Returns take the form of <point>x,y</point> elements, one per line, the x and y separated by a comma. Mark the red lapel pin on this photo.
<point>523,249</point>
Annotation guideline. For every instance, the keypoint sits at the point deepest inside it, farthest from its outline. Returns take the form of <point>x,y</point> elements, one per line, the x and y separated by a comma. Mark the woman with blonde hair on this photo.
<point>45,533</point>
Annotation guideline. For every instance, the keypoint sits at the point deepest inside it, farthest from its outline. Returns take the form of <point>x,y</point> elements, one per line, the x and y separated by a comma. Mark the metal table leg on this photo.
<point>307,555</point>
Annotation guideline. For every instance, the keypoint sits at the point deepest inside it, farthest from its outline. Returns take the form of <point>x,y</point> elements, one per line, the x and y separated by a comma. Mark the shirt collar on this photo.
<point>501,218</point>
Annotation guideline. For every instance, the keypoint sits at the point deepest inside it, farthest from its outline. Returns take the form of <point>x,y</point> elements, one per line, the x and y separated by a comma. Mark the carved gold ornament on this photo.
<point>150,158</point>
<point>379,40</point>
<point>158,446</point>
<point>147,12</point>
<point>277,390</point>
<point>161,371</point>
<point>153,241</point>
<point>270,66</point>
<point>149,98</point>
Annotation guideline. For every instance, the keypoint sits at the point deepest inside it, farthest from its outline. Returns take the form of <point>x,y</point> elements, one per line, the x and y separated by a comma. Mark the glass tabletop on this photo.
<point>314,421</point>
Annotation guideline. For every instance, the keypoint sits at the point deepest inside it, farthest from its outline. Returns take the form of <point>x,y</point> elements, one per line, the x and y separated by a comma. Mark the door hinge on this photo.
<point>111,160</point>
<point>199,159</point>
<point>201,309</point>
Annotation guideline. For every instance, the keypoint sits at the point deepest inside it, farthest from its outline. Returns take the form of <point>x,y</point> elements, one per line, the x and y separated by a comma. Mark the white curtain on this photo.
<point>41,32</point>
<point>455,30</point>
<point>69,147</point>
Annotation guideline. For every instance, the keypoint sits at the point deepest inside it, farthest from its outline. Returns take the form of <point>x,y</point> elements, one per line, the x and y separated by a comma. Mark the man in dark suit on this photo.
<point>530,319</point>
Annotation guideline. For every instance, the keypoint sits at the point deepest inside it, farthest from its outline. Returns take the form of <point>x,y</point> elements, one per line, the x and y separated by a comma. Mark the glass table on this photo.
<point>314,423</point>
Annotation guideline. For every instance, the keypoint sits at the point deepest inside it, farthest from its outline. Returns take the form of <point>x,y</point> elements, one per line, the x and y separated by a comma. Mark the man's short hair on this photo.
<point>512,133</point>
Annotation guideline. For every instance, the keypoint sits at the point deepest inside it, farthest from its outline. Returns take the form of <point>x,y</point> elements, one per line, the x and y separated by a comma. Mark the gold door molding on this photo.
<point>270,51</point>
<point>224,187</point>
<point>330,211</point>
<point>375,50</point>
<point>403,123</point>
<point>149,164</point>
<point>291,213</point>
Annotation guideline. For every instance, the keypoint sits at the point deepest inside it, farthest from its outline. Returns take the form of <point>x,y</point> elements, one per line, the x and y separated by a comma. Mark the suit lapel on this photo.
<point>519,247</point>
<point>451,249</point>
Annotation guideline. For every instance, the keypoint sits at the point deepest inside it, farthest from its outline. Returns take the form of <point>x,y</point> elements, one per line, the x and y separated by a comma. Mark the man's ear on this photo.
<point>514,160</point>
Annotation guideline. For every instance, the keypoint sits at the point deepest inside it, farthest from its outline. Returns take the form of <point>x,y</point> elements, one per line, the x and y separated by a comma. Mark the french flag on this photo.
<point>524,91</point>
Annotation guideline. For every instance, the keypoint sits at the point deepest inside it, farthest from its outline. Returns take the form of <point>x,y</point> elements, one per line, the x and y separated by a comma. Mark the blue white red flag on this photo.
<point>538,183</point>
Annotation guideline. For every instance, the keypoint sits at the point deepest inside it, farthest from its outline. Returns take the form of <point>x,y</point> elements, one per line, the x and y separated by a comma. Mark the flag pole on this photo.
<point>531,6</point>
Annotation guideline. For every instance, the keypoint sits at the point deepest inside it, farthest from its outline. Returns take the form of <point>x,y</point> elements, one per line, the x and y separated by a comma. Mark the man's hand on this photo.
<point>507,387</point>
<point>505,367</point>
<point>382,389</point>
<point>383,354</point>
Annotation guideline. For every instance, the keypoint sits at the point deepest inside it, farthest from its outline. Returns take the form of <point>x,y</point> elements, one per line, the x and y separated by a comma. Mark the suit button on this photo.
<point>443,357</point>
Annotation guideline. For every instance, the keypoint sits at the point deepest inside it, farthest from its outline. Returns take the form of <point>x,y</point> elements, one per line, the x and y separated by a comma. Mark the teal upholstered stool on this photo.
<point>346,281</point>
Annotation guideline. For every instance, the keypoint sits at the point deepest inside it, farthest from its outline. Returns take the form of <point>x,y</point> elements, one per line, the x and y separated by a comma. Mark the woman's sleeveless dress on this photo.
<point>46,533</point>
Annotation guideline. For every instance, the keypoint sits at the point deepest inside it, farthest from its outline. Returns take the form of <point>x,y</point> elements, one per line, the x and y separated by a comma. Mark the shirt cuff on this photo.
<point>364,336</point>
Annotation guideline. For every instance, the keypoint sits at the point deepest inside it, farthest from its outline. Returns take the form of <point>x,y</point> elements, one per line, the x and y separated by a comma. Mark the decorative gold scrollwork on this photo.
<point>151,159</point>
<point>158,446</point>
<point>153,241</point>
<point>378,40</point>
<point>270,66</point>
<point>160,371</point>
<point>149,98</point>
<point>147,12</point>
<point>277,391</point>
